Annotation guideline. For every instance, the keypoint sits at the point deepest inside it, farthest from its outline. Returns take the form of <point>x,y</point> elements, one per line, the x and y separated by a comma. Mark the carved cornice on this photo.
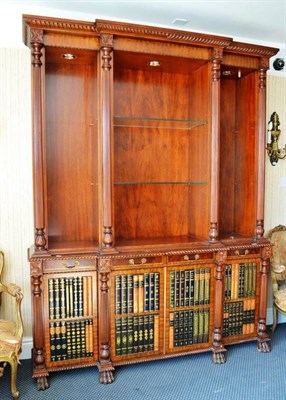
<point>251,49</point>
<point>150,32</point>
<point>59,24</point>
<point>49,24</point>
<point>56,24</point>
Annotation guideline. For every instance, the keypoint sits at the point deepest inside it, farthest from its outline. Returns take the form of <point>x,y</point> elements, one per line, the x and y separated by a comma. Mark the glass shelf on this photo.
<point>137,122</point>
<point>159,183</point>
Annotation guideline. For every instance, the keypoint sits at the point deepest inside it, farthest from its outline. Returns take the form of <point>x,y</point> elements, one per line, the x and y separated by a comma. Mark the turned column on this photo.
<point>260,147</point>
<point>105,366</point>
<point>106,128</point>
<point>218,349</point>
<point>36,45</point>
<point>39,358</point>
<point>215,121</point>
<point>263,339</point>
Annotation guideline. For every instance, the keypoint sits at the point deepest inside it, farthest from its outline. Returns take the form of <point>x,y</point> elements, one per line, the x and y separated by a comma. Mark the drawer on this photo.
<point>137,261</point>
<point>243,252</point>
<point>70,264</point>
<point>187,258</point>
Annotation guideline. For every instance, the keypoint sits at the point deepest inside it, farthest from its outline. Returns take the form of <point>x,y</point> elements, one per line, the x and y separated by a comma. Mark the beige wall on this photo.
<point>16,215</point>
<point>275,195</point>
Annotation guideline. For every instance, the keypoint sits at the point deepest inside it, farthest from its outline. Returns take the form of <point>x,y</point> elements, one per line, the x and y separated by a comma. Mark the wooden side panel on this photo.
<point>71,151</point>
<point>245,156</point>
<point>238,156</point>
<point>227,156</point>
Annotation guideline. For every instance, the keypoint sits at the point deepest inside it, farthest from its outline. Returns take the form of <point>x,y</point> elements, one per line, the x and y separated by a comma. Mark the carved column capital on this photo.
<point>221,257</point>
<point>217,55</point>
<point>106,44</point>
<point>36,268</point>
<point>104,266</point>
<point>37,42</point>
<point>106,40</point>
<point>267,252</point>
<point>264,65</point>
<point>36,272</point>
<point>104,272</point>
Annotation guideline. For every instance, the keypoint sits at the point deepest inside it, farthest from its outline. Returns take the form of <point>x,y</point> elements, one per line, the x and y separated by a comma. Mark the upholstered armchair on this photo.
<point>11,331</point>
<point>277,237</point>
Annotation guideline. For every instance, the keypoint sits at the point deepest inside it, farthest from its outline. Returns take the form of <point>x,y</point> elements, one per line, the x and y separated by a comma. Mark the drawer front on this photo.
<point>187,258</point>
<point>71,264</point>
<point>138,261</point>
<point>244,252</point>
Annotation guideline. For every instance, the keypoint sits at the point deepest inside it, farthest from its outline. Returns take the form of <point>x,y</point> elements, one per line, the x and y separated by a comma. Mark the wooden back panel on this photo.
<point>71,151</point>
<point>150,156</point>
<point>238,159</point>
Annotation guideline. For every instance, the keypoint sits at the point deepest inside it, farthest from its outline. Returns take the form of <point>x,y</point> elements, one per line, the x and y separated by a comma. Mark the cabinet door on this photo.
<point>137,311</point>
<point>70,318</point>
<point>241,296</point>
<point>189,302</point>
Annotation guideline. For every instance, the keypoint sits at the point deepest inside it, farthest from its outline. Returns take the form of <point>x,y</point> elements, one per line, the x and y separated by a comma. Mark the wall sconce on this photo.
<point>273,134</point>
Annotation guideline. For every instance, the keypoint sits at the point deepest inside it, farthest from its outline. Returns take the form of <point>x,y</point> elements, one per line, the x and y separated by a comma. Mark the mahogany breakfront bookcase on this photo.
<point>148,165</point>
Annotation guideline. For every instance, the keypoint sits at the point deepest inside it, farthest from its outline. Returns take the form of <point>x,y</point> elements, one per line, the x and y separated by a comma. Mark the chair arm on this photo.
<point>13,289</point>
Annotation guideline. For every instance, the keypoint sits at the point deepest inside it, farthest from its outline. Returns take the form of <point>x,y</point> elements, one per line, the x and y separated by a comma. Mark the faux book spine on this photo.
<point>137,293</point>
<point>71,340</point>
<point>70,297</point>
<point>189,327</point>
<point>190,287</point>
<point>136,334</point>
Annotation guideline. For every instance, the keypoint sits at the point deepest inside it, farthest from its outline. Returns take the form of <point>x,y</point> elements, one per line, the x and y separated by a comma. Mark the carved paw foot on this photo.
<point>219,358</point>
<point>42,383</point>
<point>106,377</point>
<point>264,347</point>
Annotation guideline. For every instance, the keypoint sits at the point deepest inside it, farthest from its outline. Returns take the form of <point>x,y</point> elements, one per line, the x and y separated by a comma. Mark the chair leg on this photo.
<point>14,367</point>
<point>275,318</point>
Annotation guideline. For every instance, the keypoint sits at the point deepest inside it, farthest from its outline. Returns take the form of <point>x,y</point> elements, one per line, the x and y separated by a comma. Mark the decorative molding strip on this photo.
<point>161,33</point>
<point>246,246</point>
<point>252,49</point>
<point>59,24</point>
<point>144,32</point>
<point>162,253</point>
<point>63,257</point>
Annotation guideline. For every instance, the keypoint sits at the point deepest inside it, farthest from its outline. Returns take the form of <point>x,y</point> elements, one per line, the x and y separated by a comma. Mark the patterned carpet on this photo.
<point>247,375</point>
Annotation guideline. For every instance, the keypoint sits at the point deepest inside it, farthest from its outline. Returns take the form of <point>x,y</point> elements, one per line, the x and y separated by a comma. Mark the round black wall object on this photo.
<point>278,64</point>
